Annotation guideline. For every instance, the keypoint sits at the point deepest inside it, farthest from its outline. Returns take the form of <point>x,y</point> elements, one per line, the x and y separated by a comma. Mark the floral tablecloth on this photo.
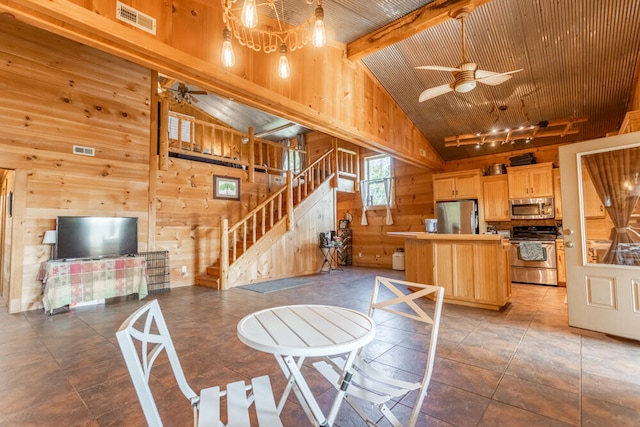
<point>72,282</point>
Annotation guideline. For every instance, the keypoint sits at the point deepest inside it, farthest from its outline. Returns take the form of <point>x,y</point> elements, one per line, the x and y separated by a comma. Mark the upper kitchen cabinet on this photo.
<point>557,193</point>
<point>531,181</point>
<point>496,198</point>
<point>456,185</point>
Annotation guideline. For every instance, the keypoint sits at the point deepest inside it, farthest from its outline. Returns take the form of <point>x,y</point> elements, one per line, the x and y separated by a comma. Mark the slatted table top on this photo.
<point>306,330</point>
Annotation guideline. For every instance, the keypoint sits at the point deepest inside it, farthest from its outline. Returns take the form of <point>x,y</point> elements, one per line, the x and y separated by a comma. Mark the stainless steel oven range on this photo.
<point>533,255</point>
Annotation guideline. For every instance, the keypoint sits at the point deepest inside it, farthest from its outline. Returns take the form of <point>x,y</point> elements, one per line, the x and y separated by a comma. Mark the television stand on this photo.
<point>72,282</point>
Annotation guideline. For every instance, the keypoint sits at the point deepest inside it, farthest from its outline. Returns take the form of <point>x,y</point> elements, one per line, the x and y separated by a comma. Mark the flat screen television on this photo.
<point>96,237</point>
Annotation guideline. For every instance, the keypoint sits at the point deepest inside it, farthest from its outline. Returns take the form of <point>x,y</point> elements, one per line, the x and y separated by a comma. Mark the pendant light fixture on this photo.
<point>283,65</point>
<point>319,37</point>
<point>250,14</point>
<point>281,38</point>
<point>228,57</point>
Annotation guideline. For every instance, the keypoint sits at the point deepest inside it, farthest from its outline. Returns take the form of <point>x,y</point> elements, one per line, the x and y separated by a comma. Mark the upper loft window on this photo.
<point>179,127</point>
<point>377,187</point>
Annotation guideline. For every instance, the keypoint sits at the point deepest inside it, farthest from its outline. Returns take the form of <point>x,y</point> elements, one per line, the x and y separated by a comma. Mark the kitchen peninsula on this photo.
<point>474,269</point>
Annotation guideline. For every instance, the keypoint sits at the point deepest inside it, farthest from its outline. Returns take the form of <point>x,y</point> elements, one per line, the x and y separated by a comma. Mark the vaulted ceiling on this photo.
<point>578,58</point>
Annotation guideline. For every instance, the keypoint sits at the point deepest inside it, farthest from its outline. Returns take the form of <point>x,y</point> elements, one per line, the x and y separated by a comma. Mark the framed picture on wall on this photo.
<point>225,187</point>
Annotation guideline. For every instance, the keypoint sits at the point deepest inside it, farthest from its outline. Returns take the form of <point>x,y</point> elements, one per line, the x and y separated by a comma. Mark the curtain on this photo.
<point>616,178</point>
<point>364,193</point>
<point>388,189</point>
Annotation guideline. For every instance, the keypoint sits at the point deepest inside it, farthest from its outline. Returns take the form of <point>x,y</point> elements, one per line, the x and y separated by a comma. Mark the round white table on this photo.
<point>303,331</point>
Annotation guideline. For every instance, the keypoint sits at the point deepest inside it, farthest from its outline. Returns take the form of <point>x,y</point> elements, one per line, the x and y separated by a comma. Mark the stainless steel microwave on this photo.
<point>540,208</point>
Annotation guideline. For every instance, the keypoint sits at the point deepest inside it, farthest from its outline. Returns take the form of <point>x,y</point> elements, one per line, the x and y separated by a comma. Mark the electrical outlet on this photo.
<point>184,270</point>
<point>377,257</point>
<point>359,254</point>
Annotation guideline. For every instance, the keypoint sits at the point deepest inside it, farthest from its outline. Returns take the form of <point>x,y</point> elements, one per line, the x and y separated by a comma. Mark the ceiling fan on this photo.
<point>467,75</point>
<point>184,94</point>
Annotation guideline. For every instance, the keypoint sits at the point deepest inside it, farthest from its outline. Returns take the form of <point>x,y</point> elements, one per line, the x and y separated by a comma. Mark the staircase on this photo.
<point>271,220</point>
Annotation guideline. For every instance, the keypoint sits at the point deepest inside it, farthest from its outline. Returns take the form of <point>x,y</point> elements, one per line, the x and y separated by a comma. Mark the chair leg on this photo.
<point>384,409</point>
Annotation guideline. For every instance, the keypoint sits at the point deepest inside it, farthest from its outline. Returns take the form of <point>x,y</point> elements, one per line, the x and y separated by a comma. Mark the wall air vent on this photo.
<point>136,18</point>
<point>84,151</point>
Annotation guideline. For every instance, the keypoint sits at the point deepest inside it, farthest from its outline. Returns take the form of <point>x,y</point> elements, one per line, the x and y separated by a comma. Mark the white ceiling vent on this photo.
<point>84,151</point>
<point>136,18</point>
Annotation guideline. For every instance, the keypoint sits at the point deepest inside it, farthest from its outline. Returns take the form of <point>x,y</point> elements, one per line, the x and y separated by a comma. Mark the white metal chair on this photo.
<point>143,337</point>
<point>372,386</point>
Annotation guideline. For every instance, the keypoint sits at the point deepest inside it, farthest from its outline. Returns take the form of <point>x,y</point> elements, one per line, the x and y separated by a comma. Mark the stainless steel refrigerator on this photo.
<point>458,217</point>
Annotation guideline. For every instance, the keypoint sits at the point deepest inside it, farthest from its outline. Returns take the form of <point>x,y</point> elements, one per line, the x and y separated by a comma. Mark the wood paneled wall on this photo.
<point>56,94</point>
<point>326,91</point>
<point>372,247</point>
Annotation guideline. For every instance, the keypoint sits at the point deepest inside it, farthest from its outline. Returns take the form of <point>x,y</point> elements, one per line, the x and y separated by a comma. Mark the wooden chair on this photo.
<point>374,387</point>
<point>143,337</point>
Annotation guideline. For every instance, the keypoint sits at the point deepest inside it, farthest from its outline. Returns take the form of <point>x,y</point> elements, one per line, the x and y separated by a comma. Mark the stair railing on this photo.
<point>277,207</point>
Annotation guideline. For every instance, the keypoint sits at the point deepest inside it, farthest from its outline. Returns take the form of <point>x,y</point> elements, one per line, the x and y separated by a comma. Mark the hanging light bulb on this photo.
<point>249,14</point>
<point>283,64</point>
<point>319,37</point>
<point>228,58</point>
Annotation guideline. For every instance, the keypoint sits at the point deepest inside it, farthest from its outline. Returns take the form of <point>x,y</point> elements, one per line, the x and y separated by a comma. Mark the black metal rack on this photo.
<point>157,270</point>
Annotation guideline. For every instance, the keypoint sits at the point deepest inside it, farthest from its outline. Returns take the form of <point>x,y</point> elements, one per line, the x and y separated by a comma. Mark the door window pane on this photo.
<point>611,206</point>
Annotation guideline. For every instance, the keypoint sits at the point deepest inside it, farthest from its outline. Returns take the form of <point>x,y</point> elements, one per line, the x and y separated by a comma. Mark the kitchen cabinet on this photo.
<point>531,181</point>
<point>557,193</point>
<point>473,269</point>
<point>456,185</point>
<point>495,191</point>
<point>562,271</point>
<point>593,207</point>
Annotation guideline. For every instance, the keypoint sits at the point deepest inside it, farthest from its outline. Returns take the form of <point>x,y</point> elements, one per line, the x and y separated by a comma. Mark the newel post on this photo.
<point>252,156</point>
<point>334,163</point>
<point>224,253</point>
<point>289,201</point>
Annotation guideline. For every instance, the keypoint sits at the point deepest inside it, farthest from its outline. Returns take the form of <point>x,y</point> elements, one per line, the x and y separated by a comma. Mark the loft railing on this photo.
<point>185,135</point>
<point>235,240</point>
<point>347,163</point>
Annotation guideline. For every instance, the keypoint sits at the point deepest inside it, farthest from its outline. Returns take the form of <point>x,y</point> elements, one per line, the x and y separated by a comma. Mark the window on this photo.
<point>179,127</point>
<point>377,174</point>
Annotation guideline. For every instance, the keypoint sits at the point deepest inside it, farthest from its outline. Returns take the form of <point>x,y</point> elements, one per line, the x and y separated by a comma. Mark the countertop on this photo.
<point>435,236</point>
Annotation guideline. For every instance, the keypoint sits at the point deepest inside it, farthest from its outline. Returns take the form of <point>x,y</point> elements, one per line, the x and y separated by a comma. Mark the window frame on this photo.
<point>366,180</point>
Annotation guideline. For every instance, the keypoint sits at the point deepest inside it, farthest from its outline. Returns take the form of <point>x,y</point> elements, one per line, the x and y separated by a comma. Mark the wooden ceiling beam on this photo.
<point>434,13</point>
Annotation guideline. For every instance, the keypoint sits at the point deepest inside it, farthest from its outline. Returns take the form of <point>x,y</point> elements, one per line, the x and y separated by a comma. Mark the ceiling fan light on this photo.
<point>465,86</point>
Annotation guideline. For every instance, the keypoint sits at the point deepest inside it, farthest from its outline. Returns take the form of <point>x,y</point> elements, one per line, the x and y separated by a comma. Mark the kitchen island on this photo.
<point>474,269</point>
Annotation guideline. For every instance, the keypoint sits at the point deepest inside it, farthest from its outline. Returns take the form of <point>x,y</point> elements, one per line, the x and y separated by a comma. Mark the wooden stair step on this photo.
<point>208,281</point>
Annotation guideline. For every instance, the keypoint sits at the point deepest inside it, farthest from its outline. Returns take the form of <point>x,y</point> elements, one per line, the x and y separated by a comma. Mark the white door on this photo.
<point>601,296</point>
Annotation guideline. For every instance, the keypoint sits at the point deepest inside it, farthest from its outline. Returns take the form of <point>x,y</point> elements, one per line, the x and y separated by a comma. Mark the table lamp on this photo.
<point>50,239</point>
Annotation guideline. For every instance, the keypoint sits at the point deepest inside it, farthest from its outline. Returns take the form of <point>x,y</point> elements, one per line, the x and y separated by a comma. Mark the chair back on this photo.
<point>402,302</point>
<point>142,338</point>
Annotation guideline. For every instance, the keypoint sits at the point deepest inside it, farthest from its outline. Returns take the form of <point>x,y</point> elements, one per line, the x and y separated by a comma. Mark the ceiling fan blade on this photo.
<point>435,91</point>
<point>496,78</point>
<point>437,68</point>
<point>197,92</point>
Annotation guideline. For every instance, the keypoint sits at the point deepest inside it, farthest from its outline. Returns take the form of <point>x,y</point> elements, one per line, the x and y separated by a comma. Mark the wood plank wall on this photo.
<point>326,91</point>
<point>57,94</point>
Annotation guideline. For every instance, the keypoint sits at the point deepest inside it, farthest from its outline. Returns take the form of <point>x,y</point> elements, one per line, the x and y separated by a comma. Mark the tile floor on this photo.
<point>520,367</point>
